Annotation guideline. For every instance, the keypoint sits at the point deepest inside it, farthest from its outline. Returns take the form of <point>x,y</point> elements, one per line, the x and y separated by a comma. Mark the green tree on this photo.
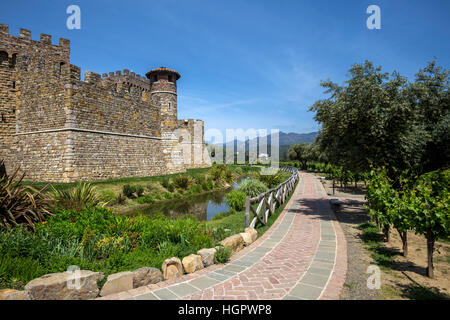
<point>300,152</point>
<point>431,91</point>
<point>370,120</point>
<point>431,203</point>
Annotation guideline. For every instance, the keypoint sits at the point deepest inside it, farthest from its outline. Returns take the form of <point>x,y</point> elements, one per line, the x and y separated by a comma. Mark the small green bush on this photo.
<point>236,199</point>
<point>158,196</point>
<point>139,190</point>
<point>183,182</point>
<point>165,182</point>
<point>83,195</point>
<point>222,255</point>
<point>121,199</point>
<point>145,199</point>
<point>171,187</point>
<point>253,187</point>
<point>129,190</point>
<point>167,195</point>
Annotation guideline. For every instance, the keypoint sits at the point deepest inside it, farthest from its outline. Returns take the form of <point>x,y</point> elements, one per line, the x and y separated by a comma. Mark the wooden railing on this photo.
<point>269,200</point>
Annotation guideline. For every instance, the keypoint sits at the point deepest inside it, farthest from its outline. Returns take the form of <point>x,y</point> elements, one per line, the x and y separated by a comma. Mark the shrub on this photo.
<point>271,180</point>
<point>21,205</point>
<point>139,190</point>
<point>129,190</point>
<point>205,186</point>
<point>236,199</point>
<point>158,197</point>
<point>183,182</point>
<point>83,195</point>
<point>171,187</point>
<point>121,199</point>
<point>222,255</point>
<point>253,187</point>
<point>165,182</point>
<point>167,195</point>
<point>221,173</point>
<point>145,199</point>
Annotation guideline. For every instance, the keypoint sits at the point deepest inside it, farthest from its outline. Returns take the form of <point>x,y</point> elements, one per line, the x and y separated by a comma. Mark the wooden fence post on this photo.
<point>247,212</point>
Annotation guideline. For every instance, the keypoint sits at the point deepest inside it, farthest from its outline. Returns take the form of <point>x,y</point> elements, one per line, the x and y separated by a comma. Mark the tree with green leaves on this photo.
<point>300,152</point>
<point>369,120</point>
<point>431,206</point>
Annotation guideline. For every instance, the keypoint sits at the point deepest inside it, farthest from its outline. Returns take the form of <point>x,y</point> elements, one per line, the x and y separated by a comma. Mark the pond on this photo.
<point>203,206</point>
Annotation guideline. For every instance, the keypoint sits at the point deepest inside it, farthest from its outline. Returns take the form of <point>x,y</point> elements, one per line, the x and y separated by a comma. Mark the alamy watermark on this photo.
<point>374,20</point>
<point>74,20</point>
<point>238,146</point>
<point>374,279</point>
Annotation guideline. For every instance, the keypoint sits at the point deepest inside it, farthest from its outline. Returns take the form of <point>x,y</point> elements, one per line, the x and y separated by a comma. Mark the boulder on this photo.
<point>146,275</point>
<point>253,233</point>
<point>192,263</point>
<point>207,256</point>
<point>10,294</point>
<point>172,268</point>
<point>235,242</point>
<point>69,285</point>
<point>118,282</point>
<point>247,237</point>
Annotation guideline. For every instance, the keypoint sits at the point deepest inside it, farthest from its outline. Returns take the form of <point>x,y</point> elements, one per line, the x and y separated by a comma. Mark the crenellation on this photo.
<point>45,38</point>
<point>64,43</point>
<point>25,34</point>
<point>92,77</point>
<point>4,28</point>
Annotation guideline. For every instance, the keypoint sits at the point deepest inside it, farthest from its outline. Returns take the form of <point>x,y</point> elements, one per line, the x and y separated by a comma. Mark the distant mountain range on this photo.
<point>285,140</point>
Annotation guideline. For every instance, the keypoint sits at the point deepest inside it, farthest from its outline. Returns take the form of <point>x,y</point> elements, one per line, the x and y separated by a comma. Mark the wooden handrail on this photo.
<point>267,205</point>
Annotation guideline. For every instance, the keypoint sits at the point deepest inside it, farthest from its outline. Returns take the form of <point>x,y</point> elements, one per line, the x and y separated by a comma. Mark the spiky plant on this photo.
<point>21,205</point>
<point>183,182</point>
<point>79,197</point>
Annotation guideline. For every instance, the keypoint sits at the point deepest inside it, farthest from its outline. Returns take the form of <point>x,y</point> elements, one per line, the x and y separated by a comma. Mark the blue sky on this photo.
<point>244,63</point>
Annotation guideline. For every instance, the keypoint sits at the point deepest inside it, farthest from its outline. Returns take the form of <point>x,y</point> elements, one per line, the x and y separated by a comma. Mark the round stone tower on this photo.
<point>163,88</point>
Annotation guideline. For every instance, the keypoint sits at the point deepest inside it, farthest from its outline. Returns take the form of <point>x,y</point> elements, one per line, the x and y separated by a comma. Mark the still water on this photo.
<point>203,206</point>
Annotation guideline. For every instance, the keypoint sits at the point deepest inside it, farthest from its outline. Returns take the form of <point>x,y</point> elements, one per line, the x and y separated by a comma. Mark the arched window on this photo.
<point>170,78</point>
<point>3,56</point>
<point>61,68</point>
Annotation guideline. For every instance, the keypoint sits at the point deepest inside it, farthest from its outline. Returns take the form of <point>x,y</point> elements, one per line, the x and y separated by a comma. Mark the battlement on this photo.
<point>134,81</point>
<point>25,35</point>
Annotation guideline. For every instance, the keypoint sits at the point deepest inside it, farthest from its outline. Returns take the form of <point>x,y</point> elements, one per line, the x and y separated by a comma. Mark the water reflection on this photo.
<point>204,206</point>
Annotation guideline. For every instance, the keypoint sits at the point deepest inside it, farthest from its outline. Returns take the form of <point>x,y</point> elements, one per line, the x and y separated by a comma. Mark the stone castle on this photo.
<point>58,128</point>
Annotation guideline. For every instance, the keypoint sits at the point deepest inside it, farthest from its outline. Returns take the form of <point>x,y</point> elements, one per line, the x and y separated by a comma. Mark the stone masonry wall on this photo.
<point>61,129</point>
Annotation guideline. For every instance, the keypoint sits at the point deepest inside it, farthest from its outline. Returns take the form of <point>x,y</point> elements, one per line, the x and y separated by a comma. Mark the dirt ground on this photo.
<point>404,278</point>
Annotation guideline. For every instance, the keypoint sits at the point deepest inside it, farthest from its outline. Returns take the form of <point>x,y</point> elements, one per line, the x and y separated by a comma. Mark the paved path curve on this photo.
<point>302,256</point>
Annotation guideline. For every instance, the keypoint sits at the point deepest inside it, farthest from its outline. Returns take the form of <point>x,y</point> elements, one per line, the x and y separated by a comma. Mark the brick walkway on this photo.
<point>302,256</point>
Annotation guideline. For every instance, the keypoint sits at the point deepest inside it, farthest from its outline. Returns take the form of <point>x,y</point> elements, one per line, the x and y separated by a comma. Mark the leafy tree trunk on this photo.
<point>387,234</point>
<point>333,186</point>
<point>404,237</point>
<point>430,249</point>
<point>356,184</point>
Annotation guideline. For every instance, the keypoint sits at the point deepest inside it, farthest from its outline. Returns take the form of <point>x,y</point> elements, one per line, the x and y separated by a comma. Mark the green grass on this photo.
<point>373,238</point>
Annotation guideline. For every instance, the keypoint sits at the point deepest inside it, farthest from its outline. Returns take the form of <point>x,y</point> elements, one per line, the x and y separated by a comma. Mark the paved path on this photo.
<point>302,256</point>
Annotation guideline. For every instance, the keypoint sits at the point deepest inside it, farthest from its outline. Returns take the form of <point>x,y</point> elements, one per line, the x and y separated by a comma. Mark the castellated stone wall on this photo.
<point>58,128</point>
